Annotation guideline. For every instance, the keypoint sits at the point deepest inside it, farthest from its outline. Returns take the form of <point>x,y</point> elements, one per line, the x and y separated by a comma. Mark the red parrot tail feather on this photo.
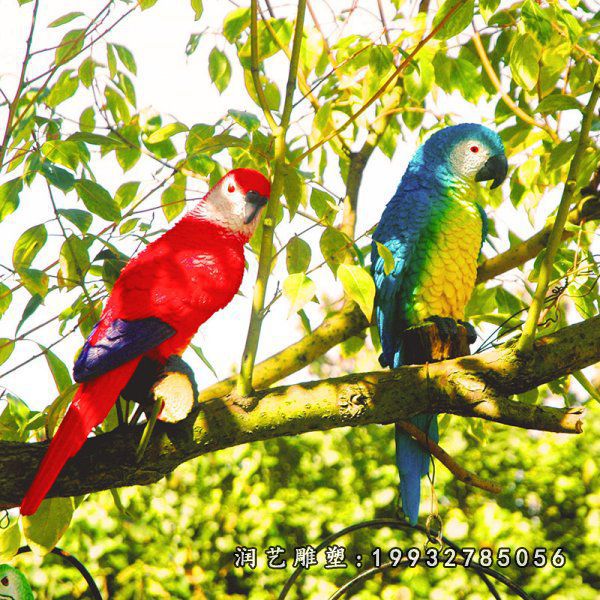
<point>89,408</point>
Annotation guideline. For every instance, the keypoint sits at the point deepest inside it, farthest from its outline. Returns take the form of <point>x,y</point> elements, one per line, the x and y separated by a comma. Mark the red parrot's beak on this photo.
<point>254,202</point>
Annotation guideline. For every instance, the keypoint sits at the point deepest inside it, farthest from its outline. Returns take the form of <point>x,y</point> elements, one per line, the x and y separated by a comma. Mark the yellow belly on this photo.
<point>448,263</point>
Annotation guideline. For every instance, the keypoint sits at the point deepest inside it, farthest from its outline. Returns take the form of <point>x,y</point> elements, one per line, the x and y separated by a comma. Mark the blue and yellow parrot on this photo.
<point>434,230</point>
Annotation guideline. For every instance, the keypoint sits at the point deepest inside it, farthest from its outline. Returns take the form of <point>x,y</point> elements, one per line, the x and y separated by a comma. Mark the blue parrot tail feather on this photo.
<point>413,462</point>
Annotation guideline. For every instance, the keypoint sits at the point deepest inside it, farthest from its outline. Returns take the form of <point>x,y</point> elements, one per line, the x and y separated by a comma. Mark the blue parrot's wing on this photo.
<point>399,230</point>
<point>122,342</point>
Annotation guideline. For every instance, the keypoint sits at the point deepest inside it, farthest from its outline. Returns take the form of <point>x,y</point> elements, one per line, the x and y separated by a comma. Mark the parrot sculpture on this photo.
<point>157,304</point>
<point>434,230</point>
<point>13,585</point>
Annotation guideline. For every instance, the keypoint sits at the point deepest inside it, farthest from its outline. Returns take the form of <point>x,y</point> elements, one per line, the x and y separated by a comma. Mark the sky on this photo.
<point>173,84</point>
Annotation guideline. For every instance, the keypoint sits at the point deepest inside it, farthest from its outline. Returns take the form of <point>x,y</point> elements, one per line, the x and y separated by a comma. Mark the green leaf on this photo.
<point>28,245</point>
<point>5,298</point>
<point>70,45</point>
<point>126,86</point>
<point>536,20</point>
<point>294,189</point>
<point>34,281</point>
<point>381,60</point>
<point>145,4</point>
<point>65,19</point>
<point>173,198</point>
<point>58,407</point>
<point>60,371</point>
<point>203,358</point>
<point>166,132</point>
<point>298,289</point>
<point>64,88</point>
<point>214,144</point>
<point>298,254</point>
<point>128,226</point>
<point>126,193</point>
<point>97,199</point>
<point>111,59</point>
<point>127,58</point>
<point>556,103</point>
<point>10,541</point>
<point>324,206</point>
<point>272,94</point>
<point>359,286</point>
<point>86,71</point>
<point>96,139</point>
<point>9,197</point>
<point>219,69</point>
<point>80,218</point>
<point>388,258</point>
<point>458,21</point>
<point>6,349</point>
<point>44,529</point>
<point>57,176</point>
<point>32,305</point>
<point>334,247</point>
<point>74,262</point>
<point>488,7</point>
<point>249,121</point>
<point>235,22</point>
<point>192,44</point>
<point>87,120</point>
<point>197,8</point>
<point>524,60</point>
<point>63,152</point>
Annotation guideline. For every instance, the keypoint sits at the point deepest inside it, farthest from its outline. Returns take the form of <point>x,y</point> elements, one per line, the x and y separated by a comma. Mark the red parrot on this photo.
<point>157,304</point>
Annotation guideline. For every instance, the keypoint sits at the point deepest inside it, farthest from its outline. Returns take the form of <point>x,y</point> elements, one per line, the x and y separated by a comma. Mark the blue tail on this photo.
<point>413,463</point>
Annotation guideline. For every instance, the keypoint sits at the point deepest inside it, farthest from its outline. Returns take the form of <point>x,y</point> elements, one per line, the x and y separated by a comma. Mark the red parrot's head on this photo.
<point>236,201</point>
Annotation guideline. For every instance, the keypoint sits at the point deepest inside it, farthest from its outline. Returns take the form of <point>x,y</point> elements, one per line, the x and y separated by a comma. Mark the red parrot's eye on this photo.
<point>231,188</point>
<point>474,149</point>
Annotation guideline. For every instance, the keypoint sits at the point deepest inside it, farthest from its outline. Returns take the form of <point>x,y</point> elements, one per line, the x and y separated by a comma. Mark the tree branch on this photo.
<point>467,477</point>
<point>473,386</point>
<point>351,320</point>
<point>245,379</point>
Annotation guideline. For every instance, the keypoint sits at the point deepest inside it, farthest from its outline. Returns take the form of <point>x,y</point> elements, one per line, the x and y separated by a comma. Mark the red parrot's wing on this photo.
<point>121,342</point>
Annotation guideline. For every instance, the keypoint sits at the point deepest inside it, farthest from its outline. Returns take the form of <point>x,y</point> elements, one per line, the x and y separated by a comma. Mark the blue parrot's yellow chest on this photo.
<point>443,271</point>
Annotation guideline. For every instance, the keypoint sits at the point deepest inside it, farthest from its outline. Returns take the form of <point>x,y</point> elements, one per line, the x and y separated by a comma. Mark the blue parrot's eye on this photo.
<point>474,149</point>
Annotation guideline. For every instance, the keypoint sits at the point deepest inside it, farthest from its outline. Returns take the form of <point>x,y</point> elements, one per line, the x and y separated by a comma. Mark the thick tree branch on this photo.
<point>351,320</point>
<point>473,386</point>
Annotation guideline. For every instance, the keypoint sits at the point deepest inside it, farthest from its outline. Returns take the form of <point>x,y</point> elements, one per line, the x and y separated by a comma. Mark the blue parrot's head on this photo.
<point>469,151</point>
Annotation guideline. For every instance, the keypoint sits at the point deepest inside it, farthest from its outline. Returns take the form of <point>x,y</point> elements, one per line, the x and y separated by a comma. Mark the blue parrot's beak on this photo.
<point>494,168</point>
<point>254,202</point>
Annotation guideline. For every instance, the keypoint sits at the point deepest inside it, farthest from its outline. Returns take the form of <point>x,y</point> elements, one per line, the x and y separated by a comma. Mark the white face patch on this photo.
<point>468,157</point>
<point>225,205</point>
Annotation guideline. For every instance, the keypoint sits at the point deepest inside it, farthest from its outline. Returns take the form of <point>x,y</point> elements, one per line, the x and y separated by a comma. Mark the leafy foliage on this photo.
<point>532,67</point>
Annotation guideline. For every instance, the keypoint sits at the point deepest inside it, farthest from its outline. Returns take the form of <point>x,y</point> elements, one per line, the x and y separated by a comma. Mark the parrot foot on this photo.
<point>446,326</point>
<point>176,389</point>
<point>471,333</point>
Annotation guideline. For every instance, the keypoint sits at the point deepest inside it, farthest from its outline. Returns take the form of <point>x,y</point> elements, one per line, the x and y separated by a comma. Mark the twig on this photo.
<point>525,342</point>
<point>266,248</point>
<point>519,112</point>
<point>12,107</point>
<point>457,470</point>
<point>254,68</point>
